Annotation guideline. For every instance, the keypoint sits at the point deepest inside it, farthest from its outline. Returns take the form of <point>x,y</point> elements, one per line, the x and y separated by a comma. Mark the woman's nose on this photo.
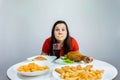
<point>60,31</point>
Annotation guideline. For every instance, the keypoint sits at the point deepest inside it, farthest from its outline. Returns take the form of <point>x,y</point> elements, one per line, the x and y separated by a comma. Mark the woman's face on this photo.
<point>60,32</point>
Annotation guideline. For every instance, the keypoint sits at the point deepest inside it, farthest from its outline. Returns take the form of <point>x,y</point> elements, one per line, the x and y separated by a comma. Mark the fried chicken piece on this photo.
<point>78,57</point>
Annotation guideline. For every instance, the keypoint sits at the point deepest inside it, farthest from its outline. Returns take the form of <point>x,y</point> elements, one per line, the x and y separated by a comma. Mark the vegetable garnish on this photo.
<point>66,60</point>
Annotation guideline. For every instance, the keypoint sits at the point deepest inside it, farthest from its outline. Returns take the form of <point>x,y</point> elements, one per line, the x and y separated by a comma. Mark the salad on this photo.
<point>66,60</point>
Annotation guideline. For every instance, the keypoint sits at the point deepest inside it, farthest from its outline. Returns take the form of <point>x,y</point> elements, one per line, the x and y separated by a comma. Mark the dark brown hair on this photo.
<point>66,41</point>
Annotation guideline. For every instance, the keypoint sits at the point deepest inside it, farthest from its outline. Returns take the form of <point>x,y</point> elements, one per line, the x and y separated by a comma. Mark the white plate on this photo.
<point>36,73</point>
<point>110,72</point>
<point>13,74</point>
<point>49,58</point>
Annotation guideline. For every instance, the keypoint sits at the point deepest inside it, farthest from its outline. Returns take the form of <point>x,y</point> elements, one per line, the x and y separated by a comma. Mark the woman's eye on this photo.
<point>56,29</point>
<point>63,29</point>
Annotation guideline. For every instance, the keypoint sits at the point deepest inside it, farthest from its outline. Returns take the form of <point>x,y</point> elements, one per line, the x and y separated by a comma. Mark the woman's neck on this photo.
<point>61,43</point>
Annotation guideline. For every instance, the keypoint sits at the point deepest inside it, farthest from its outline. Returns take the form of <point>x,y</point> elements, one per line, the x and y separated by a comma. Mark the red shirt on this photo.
<point>46,46</point>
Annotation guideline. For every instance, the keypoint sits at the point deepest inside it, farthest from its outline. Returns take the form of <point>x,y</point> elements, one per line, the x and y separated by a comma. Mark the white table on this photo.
<point>109,74</point>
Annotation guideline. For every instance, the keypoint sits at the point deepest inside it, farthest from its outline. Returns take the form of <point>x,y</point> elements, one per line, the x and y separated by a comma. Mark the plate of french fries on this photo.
<point>33,68</point>
<point>77,72</point>
<point>97,70</point>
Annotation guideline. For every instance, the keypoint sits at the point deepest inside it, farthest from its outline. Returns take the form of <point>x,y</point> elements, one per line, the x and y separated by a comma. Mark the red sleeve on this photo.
<point>74,45</point>
<point>46,46</point>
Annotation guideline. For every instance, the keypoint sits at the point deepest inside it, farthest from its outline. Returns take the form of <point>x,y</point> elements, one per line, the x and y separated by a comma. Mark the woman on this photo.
<point>60,42</point>
<point>60,35</point>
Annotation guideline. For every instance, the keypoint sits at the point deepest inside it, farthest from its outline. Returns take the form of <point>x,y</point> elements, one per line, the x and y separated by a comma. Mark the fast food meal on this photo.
<point>32,67</point>
<point>79,73</point>
<point>78,57</point>
<point>40,58</point>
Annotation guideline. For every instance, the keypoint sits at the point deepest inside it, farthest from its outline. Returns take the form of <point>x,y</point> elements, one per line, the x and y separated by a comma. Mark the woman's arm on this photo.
<point>46,47</point>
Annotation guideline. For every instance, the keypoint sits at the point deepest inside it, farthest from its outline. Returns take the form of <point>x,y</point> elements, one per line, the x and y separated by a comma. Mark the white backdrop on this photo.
<point>25,24</point>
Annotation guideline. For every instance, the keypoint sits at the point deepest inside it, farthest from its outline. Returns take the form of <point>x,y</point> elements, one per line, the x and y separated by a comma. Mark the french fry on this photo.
<point>31,67</point>
<point>79,73</point>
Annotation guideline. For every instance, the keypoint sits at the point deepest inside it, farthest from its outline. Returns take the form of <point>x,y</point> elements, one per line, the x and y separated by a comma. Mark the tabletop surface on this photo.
<point>110,71</point>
